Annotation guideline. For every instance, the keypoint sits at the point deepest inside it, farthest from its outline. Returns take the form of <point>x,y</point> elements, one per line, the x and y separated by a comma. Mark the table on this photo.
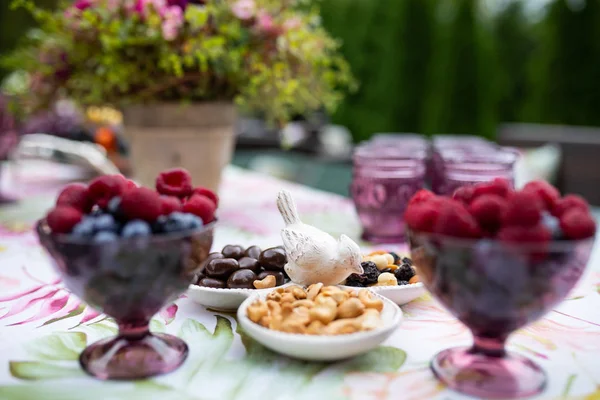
<point>43,328</point>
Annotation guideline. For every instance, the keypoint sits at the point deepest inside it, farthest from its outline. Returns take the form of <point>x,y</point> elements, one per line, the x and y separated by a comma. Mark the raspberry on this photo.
<point>422,217</point>
<point>131,184</point>
<point>464,194</point>
<point>499,186</point>
<point>141,203</point>
<point>523,209</point>
<point>76,196</point>
<point>488,211</point>
<point>62,219</point>
<point>170,204</point>
<point>104,188</point>
<point>525,234</point>
<point>202,191</point>
<point>455,220</point>
<point>174,182</point>
<point>569,202</point>
<point>200,206</point>
<point>577,224</point>
<point>420,197</point>
<point>545,191</point>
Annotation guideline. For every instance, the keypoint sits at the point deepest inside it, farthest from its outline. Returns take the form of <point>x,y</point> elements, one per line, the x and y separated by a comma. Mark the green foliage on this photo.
<point>277,62</point>
<point>565,72</point>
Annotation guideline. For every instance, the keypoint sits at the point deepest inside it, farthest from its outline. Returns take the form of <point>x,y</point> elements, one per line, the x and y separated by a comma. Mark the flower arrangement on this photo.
<point>272,57</point>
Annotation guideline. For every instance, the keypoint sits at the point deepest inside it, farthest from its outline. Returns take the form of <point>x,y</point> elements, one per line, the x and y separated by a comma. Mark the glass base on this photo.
<point>507,377</point>
<point>126,359</point>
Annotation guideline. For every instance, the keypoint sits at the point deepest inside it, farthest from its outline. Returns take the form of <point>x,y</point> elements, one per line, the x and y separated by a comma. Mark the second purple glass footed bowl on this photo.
<point>130,280</point>
<point>494,289</point>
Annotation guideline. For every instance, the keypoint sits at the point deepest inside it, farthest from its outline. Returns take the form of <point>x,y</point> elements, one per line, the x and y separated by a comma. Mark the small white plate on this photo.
<point>225,300</point>
<point>400,295</point>
<point>321,348</point>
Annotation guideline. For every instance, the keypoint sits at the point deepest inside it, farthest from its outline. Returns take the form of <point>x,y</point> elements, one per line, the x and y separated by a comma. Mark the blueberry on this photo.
<point>407,260</point>
<point>402,283</point>
<point>114,207</point>
<point>553,225</point>
<point>96,211</point>
<point>404,272</point>
<point>105,237</point>
<point>106,223</point>
<point>85,228</point>
<point>178,221</point>
<point>159,225</point>
<point>136,228</point>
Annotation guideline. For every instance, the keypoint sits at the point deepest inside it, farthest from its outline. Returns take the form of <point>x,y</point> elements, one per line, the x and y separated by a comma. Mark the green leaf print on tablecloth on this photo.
<point>207,374</point>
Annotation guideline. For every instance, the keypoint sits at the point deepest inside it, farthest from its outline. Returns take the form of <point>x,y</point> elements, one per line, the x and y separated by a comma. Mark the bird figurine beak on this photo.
<point>358,269</point>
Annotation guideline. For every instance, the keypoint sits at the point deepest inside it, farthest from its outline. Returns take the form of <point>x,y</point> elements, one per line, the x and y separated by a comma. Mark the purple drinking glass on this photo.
<point>495,288</point>
<point>130,280</point>
<point>381,194</point>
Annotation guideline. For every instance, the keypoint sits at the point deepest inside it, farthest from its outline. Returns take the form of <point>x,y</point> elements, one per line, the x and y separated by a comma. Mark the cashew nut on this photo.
<point>257,311</point>
<point>303,303</point>
<point>342,326</point>
<point>298,292</point>
<point>313,290</point>
<point>268,282</point>
<point>367,299</point>
<point>287,298</point>
<point>315,328</point>
<point>323,313</point>
<point>350,308</point>
<point>370,320</point>
<point>274,295</point>
<point>414,279</point>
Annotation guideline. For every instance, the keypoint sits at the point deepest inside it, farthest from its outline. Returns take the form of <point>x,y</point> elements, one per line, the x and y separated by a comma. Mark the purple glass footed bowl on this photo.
<point>130,280</point>
<point>495,288</point>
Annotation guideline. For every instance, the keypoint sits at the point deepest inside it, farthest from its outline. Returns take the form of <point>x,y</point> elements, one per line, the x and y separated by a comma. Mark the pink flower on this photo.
<point>265,22</point>
<point>141,6</point>
<point>244,9</point>
<point>292,24</point>
<point>83,4</point>
<point>173,20</point>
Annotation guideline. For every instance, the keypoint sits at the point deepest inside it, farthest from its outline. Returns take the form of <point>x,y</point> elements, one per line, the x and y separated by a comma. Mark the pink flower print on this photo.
<point>244,9</point>
<point>265,22</point>
<point>173,20</point>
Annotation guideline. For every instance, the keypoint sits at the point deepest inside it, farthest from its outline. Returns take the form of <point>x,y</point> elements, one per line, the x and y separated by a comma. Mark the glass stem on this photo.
<point>491,347</point>
<point>134,331</point>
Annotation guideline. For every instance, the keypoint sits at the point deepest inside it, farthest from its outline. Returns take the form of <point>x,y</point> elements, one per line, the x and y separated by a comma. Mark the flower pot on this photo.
<point>198,137</point>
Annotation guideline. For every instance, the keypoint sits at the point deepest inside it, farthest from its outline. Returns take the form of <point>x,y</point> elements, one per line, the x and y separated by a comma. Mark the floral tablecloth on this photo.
<point>43,328</point>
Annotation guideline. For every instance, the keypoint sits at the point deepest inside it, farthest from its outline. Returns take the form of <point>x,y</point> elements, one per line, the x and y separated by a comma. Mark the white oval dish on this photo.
<point>400,295</point>
<point>225,300</point>
<point>321,348</point>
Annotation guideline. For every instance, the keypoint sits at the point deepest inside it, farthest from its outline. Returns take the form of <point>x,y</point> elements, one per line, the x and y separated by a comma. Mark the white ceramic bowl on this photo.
<point>225,300</point>
<point>400,295</point>
<point>321,348</point>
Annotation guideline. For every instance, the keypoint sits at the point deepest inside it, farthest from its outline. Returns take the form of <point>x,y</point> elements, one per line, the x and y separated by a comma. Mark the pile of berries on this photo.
<point>535,214</point>
<point>112,206</point>
<point>384,269</point>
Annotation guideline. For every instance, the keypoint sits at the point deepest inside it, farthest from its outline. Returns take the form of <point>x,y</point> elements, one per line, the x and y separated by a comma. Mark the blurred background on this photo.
<point>524,73</point>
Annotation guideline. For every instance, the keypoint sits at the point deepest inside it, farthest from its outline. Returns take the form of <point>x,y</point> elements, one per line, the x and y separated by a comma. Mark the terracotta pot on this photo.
<point>198,137</point>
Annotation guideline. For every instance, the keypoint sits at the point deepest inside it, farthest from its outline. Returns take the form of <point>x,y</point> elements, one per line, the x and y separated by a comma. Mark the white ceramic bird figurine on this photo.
<point>313,255</point>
